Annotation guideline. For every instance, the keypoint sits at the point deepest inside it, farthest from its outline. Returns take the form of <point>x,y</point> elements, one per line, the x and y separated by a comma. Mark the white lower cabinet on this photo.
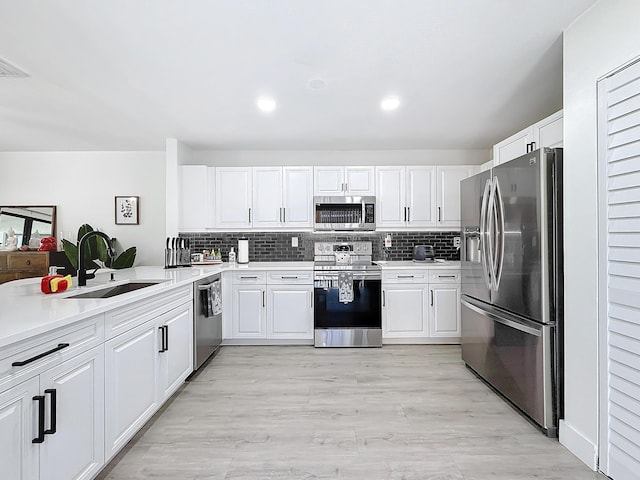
<point>444,310</point>
<point>76,449</point>
<point>131,361</point>
<point>290,311</point>
<point>145,365</point>
<point>249,309</point>
<point>274,305</point>
<point>421,305</point>
<point>404,311</point>
<point>19,457</point>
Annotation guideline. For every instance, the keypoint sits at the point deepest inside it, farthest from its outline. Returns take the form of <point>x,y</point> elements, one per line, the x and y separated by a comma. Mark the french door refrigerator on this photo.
<point>511,258</point>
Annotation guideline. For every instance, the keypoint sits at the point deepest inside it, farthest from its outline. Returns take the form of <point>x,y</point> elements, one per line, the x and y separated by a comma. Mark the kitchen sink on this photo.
<point>115,290</point>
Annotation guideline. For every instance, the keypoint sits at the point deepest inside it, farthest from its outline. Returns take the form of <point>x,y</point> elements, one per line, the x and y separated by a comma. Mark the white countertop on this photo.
<point>409,264</point>
<point>25,311</point>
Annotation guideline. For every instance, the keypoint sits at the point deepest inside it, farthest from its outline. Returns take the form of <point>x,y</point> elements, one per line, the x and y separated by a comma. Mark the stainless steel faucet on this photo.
<point>82,274</point>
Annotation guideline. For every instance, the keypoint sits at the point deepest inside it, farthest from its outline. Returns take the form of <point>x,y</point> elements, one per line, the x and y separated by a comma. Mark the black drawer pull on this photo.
<point>40,437</point>
<point>53,410</point>
<point>38,357</point>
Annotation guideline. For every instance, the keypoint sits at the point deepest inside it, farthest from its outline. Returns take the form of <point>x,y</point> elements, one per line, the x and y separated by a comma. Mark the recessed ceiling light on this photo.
<point>390,103</point>
<point>266,104</point>
<point>317,84</point>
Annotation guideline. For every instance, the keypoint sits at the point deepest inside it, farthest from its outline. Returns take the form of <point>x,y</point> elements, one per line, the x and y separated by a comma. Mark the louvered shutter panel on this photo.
<point>620,118</point>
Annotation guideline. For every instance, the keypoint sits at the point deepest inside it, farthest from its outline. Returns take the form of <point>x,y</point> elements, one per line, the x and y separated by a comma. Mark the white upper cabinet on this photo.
<point>545,133</point>
<point>233,193</point>
<point>341,180</point>
<point>419,196</point>
<point>448,189</point>
<point>197,197</point>
<point>282,197</point>
<point>297,197</point>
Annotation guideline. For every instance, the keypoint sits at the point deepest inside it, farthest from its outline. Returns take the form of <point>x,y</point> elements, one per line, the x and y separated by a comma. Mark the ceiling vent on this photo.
<point>8,70</point>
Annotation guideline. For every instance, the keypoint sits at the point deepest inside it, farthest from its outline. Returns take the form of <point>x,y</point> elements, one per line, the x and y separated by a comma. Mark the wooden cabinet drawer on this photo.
<point>297,277</point>
<point>444,276</point>
<point>250,277</point>
<point>28,261</point>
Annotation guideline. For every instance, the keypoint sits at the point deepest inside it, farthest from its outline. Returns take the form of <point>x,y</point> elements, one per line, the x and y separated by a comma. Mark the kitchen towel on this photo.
<point>345,287</point>
<point>216,297</point>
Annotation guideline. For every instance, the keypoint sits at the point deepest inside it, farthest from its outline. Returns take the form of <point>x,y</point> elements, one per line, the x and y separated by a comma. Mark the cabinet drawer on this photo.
<point>444,276</point>
<point>127,317</point>
<point>48,349</point>
<point>405,276</point>
<point>259,277</point>
<point>298,277</point>
<point>28,261</point>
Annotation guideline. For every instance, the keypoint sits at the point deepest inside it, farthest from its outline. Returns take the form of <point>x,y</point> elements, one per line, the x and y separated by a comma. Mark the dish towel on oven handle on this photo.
<point>345,287</point>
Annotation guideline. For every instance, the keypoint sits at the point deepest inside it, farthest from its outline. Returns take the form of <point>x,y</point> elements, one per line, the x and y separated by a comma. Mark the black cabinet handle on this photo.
<point>383,299</point>
<point>38,357</point>
<point>53,409</point>
<point>439,214</point>
<point>431,291</point>
<point>264,301</point>
<point>163,347</point>
<point>166,334</point>
<point>40,437</point>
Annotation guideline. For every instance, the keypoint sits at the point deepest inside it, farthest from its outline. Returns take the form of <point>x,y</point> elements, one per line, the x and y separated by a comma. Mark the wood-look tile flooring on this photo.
<point>400,412</point>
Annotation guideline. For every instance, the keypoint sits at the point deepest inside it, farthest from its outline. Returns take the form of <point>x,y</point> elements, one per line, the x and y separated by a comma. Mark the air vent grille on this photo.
<point>8,70</point>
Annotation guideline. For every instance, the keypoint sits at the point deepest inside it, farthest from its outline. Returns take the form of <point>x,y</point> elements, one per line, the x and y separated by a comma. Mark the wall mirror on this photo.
<point>29,223</point>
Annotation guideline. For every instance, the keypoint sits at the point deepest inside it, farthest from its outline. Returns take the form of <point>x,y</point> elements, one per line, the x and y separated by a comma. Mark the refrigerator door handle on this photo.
<point>483,234</point>
<point>490,246</point>
<point>504,321</point>
<point>501,234</point>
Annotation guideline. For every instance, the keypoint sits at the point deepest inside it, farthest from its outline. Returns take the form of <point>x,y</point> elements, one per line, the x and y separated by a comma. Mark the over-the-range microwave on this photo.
<point>344,213</point>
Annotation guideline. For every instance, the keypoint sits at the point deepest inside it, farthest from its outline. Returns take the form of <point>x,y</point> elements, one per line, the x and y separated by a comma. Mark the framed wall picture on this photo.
<point>127,210</point>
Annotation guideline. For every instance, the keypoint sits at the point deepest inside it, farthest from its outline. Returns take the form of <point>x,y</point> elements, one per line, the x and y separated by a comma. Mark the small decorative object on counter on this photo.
<point>232,257</point>
<point>47,244</point>
<point>55,283</point>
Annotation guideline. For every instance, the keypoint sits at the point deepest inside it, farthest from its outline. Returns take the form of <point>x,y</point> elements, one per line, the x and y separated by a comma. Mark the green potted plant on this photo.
<point>96,251</point>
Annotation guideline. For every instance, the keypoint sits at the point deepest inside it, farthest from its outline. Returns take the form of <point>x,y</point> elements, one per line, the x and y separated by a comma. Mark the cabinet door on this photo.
<point>444,304</point>
<point>18,427</point>
<point>290,311</point>
<point>390,199</point>
<point>233,197</point>
<point>449,178</point>
<point>249,302</point>
<point>130,384</point>
<point>404,312</point>
<point>512,147</point>
<point>360,181</point>
<point>328,181</point>
<point>267,197</point>
<point>76,449</point>
<point>548,132</point>
<point>297,197</point>
<point>421,196</point>
<point>194,197</point>
<point>176,358</point>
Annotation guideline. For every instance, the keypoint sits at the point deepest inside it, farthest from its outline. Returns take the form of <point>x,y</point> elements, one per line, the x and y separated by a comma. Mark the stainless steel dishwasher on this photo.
<point>207,318</point>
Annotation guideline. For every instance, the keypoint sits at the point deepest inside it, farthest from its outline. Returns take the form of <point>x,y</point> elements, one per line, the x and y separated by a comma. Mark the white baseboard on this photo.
<point>579,445</point>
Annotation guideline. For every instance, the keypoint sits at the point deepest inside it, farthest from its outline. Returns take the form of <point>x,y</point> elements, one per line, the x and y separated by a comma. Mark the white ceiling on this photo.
<point>126,74</point>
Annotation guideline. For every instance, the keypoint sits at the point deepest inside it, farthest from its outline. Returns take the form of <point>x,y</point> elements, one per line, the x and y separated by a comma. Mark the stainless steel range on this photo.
<point>347,295</point>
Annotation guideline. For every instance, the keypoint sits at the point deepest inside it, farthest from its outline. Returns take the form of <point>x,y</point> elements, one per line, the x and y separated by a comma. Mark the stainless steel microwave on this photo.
<point>344,213</point>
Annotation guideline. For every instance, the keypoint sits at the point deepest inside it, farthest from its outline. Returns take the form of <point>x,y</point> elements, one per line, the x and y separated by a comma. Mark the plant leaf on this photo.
<point>125,259</point>
<point>102,250</point>
<point>91,245</point>
<point>71,251</point>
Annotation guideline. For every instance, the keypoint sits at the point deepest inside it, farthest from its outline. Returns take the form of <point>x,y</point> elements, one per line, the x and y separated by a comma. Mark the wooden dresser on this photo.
<point>16,265</point>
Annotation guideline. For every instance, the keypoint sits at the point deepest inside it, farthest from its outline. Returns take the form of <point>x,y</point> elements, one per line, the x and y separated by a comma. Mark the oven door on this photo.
<point>364,310</point>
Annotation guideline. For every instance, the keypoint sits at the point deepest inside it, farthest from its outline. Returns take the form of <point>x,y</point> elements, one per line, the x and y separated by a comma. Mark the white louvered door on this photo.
<point>619,293</point>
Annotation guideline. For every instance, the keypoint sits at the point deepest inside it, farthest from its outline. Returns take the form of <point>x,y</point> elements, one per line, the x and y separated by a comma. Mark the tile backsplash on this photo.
<point>276,246</point>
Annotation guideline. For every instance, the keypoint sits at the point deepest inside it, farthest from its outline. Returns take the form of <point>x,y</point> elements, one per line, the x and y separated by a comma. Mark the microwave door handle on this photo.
<point>483,234</point>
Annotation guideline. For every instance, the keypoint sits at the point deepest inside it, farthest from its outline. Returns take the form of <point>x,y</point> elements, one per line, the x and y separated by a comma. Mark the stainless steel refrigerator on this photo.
<point>511,257</point>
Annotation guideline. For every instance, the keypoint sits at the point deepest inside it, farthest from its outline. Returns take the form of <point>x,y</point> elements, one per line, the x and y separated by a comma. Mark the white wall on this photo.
<point>603,38</point>
<point>338,157</point>
<point>83,185</point>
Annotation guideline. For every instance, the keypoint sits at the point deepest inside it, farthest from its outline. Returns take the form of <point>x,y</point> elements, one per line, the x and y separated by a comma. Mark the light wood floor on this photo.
<point>400,412</point>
